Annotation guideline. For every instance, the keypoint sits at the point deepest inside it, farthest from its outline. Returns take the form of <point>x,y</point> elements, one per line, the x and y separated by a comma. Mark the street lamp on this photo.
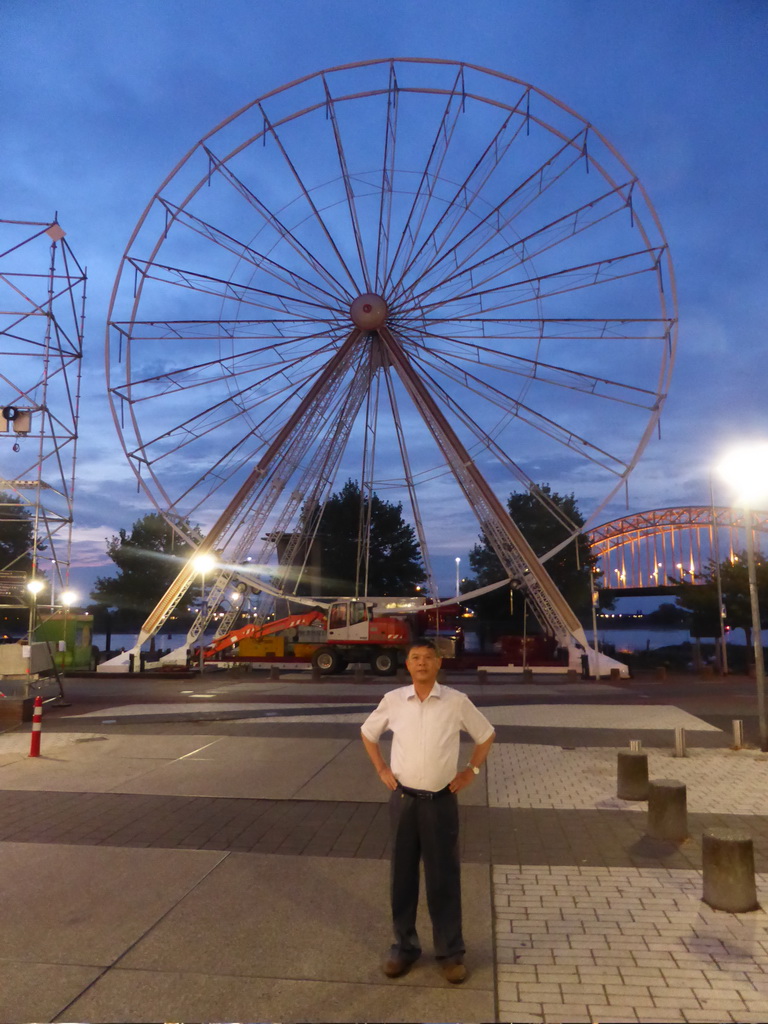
<point>203,564</point>
<point>746,470</point>
<point>67,598</point>
<point>458,563</point>
<point>34,587</point>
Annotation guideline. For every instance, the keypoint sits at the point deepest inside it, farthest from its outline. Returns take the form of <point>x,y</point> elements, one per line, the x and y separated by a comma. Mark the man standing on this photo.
<point>426,720</point>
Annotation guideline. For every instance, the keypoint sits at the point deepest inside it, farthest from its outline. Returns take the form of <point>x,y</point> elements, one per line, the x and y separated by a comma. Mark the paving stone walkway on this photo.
<point>590,919</point>
<point>590,944</point>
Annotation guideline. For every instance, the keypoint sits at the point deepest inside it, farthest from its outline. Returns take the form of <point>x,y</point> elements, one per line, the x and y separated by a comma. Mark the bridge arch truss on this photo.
<point>650,549</point>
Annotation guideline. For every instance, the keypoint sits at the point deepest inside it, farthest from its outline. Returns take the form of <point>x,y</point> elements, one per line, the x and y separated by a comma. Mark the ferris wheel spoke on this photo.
<point>272,406</point>
<point>544,424</point>
<point>409,481</point>
<point>231,464</point>
<point>182,332</point>
<point>248,254</point>
<point>461,197</point>
<point>560,282</point>
<point>485,441</point>
<point>199,426</point>
<point>542,329</point>
<point>537,183</point>
<point>171,387</point>
<point>563,229</point>
<point>274,222</point>
<point>348,190</point>
<point>425,188</point>
<point>459,204</point>
<point>172,382</point>
<point>310,202</point>
<point>152,332</point>
<point>228,290</point>
<point>542,372</point>
<point>387,179</point>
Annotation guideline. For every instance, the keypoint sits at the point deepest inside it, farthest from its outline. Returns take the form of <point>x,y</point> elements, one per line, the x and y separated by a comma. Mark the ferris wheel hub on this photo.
<point>369,312</point>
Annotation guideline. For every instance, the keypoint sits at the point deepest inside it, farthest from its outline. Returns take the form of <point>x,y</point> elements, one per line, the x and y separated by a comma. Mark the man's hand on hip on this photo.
<point>461,780</point>
<point>386,776</point>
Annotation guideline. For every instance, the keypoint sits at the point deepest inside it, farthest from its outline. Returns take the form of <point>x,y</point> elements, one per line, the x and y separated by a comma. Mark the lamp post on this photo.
<point>34,586</point>
<point>746,470</point>
<point>203,564</point>
<point>67,598</point>
<point>458,563</point>
<point>593,602</point>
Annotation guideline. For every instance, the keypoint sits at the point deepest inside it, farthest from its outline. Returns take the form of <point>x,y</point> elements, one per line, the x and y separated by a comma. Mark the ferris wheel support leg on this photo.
<point>513,550</point>
<point>180,585</point>
<point>594,661</point>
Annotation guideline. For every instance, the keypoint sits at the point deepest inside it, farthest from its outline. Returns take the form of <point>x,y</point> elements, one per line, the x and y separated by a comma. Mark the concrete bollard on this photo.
<point>527,675</point>
<point>274,672</point>
<point>661,672</point>
<point>615,674</point>
<point>632,775</point>
<point>681,750</point>
<point>667,810</point>
<point>728,863</point>
<point>572,676</point>
<point>482,676</point>
<point>359,672</point>
<point>738,733</point>
<point>316,674</point>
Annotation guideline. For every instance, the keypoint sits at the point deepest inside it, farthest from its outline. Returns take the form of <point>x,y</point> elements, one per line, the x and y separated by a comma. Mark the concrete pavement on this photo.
<point>231,865</point>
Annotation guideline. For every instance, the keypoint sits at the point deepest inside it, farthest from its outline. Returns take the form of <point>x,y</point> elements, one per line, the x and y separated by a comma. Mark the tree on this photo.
<point>394,562</point>
<point>669,616</point>
<point>701,598</point>
<point>544,517</point>
<point>17,534</point>
<point>148,560</point>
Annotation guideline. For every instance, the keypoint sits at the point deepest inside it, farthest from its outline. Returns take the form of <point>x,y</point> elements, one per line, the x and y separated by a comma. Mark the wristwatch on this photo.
<point>475,769</point>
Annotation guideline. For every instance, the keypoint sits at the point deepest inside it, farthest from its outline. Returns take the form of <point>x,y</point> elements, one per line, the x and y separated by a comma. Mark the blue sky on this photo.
<point>101,100</point>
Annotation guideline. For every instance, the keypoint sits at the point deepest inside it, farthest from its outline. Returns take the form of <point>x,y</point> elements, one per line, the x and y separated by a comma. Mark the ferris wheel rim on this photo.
<point>666,364</point>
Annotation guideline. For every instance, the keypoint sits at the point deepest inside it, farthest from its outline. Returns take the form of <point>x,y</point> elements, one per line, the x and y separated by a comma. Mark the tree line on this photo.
<point>149,555</point>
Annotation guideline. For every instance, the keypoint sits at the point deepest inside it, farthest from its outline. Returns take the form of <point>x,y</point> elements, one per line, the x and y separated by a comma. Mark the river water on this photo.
<point>642,639</point>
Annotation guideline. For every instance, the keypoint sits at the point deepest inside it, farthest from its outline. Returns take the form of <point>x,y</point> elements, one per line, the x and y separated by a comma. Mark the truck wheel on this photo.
<point>384,663</point>
<point>327,660</point>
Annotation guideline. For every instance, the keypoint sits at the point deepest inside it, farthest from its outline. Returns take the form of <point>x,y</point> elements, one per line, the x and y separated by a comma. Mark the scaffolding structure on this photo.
<point>42,312</point>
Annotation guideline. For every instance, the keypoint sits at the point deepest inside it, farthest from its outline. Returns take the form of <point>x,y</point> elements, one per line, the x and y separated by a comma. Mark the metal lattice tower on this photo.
<point>42,310</point>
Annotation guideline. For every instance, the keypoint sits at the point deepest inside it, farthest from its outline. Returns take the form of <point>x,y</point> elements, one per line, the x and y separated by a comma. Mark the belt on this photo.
<point>423,794</point>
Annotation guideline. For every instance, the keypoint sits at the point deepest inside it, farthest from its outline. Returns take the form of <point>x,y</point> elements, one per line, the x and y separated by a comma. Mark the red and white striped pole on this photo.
<point>37,726</point>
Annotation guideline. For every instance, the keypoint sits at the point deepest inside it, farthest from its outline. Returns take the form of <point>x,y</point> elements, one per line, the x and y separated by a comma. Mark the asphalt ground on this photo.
<point>179,857</point>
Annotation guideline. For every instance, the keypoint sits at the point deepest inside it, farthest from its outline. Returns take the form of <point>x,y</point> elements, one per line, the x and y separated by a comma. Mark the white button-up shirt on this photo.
<point>425,744</point>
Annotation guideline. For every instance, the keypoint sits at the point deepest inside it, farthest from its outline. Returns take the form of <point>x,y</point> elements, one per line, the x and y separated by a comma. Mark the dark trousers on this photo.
<point>426,830</point>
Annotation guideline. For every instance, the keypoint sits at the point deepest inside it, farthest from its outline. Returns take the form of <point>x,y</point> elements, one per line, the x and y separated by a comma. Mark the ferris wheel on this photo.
<point>421,274</point>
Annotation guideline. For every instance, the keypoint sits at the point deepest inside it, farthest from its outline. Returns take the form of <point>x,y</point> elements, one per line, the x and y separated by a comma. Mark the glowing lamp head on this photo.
<point>203,564</point>
<point>745,469</point>
<point>68,598</point>
<point>35,586</point>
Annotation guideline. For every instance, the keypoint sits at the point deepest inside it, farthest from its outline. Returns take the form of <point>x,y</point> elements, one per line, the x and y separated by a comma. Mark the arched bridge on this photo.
<point>644,551</point>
